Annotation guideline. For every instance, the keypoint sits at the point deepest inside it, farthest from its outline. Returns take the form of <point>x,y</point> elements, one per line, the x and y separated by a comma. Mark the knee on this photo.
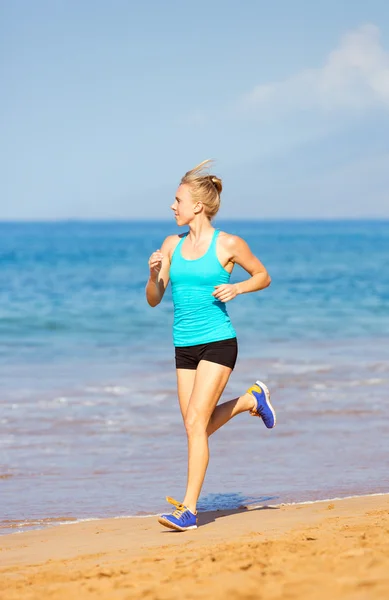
<point>194,424</point>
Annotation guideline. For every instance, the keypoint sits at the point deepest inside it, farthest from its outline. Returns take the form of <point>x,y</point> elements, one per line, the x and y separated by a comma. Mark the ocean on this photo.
<point>89,419</point>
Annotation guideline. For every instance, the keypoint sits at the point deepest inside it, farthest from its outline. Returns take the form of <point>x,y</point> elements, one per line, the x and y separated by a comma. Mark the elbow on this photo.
<point>152,296</point>
<point>151,299</point>
<point>267,280</point>
<point>151,302</point>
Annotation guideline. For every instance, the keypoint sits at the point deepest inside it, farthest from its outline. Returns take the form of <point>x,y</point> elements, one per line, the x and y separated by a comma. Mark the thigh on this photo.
<point>209,383</point>
<point>224,352</point>
<point>185,383</point>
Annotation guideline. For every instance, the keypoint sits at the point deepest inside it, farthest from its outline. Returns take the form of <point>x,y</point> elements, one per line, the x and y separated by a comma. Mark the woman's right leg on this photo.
<point>185,384</point>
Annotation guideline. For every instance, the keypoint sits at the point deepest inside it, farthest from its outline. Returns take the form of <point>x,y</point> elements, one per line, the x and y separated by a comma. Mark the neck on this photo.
<point>200,229</point>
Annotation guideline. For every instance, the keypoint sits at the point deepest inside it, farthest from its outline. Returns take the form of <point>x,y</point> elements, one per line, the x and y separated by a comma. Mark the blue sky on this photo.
<point>105,105</point>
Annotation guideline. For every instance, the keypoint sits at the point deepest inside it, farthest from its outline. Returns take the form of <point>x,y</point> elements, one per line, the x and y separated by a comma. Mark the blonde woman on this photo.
<point>199,263</point>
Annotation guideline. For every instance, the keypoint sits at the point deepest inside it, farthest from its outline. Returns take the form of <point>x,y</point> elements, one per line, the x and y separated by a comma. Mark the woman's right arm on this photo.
<point>159,264</point>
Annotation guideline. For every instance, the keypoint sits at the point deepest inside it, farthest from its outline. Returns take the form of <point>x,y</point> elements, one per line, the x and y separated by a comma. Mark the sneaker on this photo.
<point>181,519</point>
<point>263,409</point>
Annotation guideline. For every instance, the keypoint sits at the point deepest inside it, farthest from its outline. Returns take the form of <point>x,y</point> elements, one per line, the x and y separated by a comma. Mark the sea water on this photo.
<point>89,420</point>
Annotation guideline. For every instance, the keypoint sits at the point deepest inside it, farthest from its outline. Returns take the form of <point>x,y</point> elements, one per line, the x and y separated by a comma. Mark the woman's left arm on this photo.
<point>241,254</point>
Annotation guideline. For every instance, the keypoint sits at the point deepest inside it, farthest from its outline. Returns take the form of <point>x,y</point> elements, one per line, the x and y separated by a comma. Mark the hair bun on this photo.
<point>217,183</point>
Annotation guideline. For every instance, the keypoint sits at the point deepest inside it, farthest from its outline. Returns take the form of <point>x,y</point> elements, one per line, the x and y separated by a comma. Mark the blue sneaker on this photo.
<point>181,519</point>
<point>263,409</point>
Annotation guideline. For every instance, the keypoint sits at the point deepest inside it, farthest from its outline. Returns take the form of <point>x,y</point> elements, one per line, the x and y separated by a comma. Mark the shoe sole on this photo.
<point>267,396</point>
<point>170,525</point>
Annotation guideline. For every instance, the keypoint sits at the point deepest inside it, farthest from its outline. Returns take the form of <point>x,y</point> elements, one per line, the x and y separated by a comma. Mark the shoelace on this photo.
<point>260,410</point>
<point>180,508</point>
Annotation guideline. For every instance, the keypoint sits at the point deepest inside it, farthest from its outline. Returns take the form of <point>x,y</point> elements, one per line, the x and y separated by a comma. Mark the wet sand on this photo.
<point>337,549</point>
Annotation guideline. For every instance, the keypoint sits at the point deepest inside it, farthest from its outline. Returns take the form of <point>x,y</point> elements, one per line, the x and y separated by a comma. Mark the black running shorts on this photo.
<point>224,353</point>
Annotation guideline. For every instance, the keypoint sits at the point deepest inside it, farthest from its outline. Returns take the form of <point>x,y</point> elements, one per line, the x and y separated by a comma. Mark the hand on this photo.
<point>155,264</point>
<point>225,292</point>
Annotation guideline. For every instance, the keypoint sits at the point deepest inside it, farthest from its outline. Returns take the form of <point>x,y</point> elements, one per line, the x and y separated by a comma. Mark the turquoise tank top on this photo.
<point>199,318</point>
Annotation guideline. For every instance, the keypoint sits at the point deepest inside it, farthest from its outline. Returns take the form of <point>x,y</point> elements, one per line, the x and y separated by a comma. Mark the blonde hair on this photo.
<point>205,188</point>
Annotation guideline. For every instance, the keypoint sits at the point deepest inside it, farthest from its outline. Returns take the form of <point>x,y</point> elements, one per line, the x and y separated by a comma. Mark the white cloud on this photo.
<point>354,77</point>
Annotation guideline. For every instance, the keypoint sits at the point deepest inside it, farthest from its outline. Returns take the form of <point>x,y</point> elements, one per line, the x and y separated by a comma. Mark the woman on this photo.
<point>199,264</point>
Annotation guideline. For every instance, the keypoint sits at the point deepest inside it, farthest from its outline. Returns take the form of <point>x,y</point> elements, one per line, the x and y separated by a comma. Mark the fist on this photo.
<point>155,264</point>
<point>225,292</point>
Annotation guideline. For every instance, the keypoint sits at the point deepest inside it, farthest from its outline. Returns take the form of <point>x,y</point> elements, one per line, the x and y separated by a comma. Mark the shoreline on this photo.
<point>57,522</point>
<point>336,547</point>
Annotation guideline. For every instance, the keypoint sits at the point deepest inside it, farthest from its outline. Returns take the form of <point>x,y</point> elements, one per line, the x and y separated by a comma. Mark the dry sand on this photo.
<point>327,550</point>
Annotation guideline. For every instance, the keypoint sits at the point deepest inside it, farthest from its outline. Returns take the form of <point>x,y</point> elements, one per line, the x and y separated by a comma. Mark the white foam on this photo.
<point>251,506</point>
<point>321,500</point>
<point>361,382</point>
<point>301,369</point>
<point>117,390</point>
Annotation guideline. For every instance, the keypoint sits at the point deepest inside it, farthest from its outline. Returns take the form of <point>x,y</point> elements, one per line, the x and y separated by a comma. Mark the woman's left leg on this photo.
<point>210,381</point>
<point>227,410</point>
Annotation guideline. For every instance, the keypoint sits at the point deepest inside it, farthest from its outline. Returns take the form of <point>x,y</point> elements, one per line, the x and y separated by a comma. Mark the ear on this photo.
<point>197,207</point>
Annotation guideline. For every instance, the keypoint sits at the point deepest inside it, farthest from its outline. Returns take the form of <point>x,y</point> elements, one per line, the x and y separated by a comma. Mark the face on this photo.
<point>183,207</point>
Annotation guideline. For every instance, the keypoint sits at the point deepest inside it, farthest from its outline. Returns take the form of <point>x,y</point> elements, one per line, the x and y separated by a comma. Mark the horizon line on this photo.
<point>164,220</point>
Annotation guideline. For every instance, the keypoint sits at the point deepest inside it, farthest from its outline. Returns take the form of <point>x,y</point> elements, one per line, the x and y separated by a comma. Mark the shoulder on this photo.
<point>171,240</point>
<point>232,243</point>
<point>169,244</point>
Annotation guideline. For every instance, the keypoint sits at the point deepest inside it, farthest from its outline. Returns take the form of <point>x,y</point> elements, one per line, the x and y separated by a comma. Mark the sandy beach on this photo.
<point>336,548</point>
